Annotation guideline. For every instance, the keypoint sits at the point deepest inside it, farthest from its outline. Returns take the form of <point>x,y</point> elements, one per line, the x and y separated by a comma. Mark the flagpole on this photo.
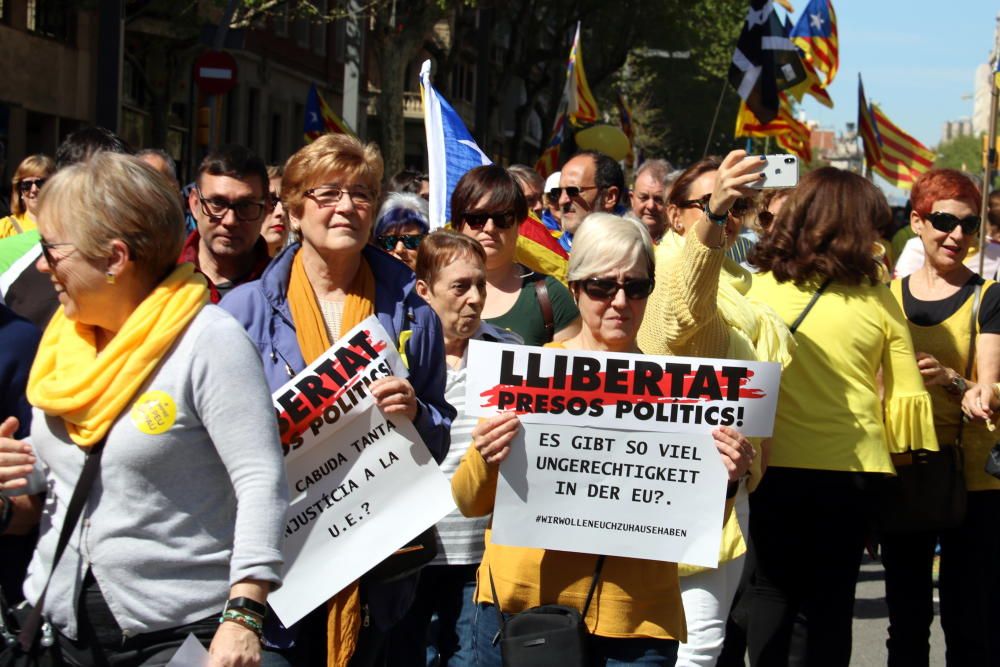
<point>715,118</point>
<point>991,145</point>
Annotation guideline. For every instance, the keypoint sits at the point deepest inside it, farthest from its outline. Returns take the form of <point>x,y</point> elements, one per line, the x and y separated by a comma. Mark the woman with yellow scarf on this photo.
<point>187,509</point>
<point>311,293</point>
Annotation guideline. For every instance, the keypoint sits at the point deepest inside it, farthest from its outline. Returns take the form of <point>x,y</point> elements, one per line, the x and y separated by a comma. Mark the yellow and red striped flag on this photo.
<point>320,118</point>
<point>904,159</point>
<point>581,105</point>
<point>867,129</point>
<point>790,134</point>
<point>816,34</point>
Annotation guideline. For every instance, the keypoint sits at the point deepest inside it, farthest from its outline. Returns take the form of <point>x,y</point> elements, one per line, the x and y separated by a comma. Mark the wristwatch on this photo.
<point>719,220</point>
<point>246,605</point>
<point>958,386</point>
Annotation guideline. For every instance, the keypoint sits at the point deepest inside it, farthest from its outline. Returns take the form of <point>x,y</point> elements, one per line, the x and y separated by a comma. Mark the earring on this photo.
<point>110,277</point>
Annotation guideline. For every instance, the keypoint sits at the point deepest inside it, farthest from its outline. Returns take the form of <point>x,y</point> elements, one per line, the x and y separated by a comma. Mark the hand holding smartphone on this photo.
<point>780,171</point>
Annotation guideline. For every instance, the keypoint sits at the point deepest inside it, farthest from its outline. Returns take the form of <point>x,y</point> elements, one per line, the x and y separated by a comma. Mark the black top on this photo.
<point>931,313</point>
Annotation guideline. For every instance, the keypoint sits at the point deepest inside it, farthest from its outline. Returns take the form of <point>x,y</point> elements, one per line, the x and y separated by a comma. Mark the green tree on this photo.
<point>962,153</point>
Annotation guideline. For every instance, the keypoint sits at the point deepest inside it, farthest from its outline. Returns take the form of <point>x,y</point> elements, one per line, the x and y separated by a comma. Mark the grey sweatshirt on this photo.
<point>177,514</point>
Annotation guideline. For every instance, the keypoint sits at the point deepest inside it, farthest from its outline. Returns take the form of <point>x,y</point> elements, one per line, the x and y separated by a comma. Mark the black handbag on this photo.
<point>550,634</point>
<point>928,492</point>
<point>405,561</point>
<point>29,639</point>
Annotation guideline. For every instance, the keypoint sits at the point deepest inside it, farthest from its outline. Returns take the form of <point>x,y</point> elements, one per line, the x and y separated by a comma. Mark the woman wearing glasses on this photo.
<point>310,294</point>
<point>636,616</point>
<point>401,225</point>
<point>938,300</point>
<point>488,206</point>
<point>28,180</point>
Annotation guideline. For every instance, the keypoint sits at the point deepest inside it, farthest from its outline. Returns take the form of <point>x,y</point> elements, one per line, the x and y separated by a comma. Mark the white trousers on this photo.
<point>708,597</point>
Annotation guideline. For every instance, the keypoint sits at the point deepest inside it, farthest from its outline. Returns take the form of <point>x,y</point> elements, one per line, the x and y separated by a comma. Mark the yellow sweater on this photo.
<point>634,598</point>
<point>948,342</point>
<point>829,413</point>
<point>24,221</point>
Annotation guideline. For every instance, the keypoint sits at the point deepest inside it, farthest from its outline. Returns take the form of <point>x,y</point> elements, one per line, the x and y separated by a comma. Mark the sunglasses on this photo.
<point>765,218</point>
<point>605,289</point>
<point>477,221</point>
<point>409,241</point>
<point>699,203</point>
<point>25,185</point>
<point>946,222</point>
<point>47,249</point>
<point>572,191</point>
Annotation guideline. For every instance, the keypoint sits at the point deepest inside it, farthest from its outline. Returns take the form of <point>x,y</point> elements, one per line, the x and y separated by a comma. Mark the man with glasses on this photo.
<point>229,202</point>
<point>589,182</point>
<point>649,196</point>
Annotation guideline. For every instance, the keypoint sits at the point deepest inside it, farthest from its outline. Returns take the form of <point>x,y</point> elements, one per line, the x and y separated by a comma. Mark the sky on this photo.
<point>917,59</point>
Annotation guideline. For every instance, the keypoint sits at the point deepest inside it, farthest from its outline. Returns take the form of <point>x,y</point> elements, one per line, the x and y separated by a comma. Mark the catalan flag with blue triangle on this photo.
<point>816,34</point>
<point>320,118</point>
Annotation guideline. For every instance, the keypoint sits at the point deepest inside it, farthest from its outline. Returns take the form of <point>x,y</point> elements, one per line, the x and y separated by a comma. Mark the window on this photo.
<point>280,21</point>
<point>319,29</point>
<point>253,95</point>
<point>275,154</point>
<point>51,18</point>
<point>463,82</point>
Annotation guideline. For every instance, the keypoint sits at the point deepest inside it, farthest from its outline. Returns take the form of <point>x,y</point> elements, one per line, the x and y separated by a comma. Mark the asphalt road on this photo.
<point>871,618</point>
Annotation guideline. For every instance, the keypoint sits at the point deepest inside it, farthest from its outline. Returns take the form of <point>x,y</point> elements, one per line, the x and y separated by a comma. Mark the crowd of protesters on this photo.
<point>123,291</point>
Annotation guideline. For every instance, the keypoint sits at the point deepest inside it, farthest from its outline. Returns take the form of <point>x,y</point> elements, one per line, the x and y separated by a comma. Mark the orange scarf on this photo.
<point>344,610</point>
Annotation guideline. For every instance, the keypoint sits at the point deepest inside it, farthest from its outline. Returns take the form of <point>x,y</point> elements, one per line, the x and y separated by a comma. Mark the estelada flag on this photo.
<point>320,118</point>
<point>816,34</point>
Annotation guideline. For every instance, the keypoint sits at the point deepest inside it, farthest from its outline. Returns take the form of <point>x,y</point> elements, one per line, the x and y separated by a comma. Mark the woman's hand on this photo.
<point>979,401</point>
<point>492,436</point>
<point>17,460</point>
<point>395,396</point>
<point>234,646</point>
<point>736,451</point>
<point>732,180</point>
<point>932,371</point>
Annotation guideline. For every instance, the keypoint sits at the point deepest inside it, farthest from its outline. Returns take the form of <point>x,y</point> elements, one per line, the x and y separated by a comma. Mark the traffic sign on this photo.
<point>215,72</point>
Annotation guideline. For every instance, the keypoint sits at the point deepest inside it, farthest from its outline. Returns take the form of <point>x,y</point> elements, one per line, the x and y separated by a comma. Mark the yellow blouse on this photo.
<point>829,413</point>
<point>8,228</point>
<point>948,342</point>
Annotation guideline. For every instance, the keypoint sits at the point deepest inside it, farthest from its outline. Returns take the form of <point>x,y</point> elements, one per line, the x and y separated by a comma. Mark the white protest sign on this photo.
<point>628,493</point>
<point>621,391</point>
<point>362,484</point>
<point>190,654</point>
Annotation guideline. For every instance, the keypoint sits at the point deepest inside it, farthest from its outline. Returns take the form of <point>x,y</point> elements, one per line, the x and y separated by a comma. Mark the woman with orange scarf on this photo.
<point>187,509</point>
<point>311,293</point>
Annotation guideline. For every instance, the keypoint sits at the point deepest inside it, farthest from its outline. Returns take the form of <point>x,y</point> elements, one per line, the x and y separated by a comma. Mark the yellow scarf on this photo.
<point>89,389</point>
<point>344,610</point>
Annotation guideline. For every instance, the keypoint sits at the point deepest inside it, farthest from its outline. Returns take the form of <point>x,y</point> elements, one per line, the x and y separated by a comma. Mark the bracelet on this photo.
<point>247,621</point>
<point>719,220</point>
<point>248,606</point>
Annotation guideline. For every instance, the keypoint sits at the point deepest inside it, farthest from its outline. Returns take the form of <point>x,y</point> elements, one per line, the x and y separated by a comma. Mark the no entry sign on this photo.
<point>215,72</point>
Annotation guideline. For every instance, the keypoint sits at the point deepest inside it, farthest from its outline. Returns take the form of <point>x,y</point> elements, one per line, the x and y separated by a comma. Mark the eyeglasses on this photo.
<point>409,241</point>
<point>699,203</point>
<point>477,221</point>
<point>605,289</point>
<point>244,210</point>
<point>765,218</point>
<point>26,184</point>
<point>572,191</point>
<point>946,222</point>
<point>328,195</point>
<point>47,249</point>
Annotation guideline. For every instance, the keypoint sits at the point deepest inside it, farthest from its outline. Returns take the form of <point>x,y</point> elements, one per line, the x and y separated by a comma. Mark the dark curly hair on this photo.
<point>827,228</point>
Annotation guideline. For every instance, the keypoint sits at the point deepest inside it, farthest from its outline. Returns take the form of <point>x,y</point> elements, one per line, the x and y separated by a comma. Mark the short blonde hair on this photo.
<point>114,196</point>
<point>33,166</point>
<point>605,242</point>
<point>330,153</point>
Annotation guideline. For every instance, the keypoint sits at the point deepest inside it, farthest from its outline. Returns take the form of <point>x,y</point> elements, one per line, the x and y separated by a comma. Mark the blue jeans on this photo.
<point>604,651</point>
<point>445,594</point>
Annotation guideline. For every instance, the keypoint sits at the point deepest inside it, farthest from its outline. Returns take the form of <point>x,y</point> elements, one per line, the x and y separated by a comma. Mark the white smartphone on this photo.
<point>780,171</point>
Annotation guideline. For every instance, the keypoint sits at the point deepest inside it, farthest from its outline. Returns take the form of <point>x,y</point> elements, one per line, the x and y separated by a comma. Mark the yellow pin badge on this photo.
<point>154,412</point>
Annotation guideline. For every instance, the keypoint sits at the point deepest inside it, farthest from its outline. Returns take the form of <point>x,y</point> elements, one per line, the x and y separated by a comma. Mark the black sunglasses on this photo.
<point>409,241</point>
<point>477,221</point>
<point>604,289</point>
<point>700,202</point>
<point>946,222</point>
<point>572,191</point>
<point>25,185</point>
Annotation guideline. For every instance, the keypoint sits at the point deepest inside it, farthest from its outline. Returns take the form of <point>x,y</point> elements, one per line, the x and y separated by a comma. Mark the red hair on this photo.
<point>939,184</point>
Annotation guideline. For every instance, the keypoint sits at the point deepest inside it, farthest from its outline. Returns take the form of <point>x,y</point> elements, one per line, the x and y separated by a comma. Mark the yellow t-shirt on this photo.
<point>15,224</point>
<point>829,413</point>
<point>948,342</point>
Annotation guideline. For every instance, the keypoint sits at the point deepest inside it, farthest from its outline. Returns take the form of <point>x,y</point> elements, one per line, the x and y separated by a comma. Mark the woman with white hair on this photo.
<point>636,616</point>
<point>401,225</point>
<point>189,511</point>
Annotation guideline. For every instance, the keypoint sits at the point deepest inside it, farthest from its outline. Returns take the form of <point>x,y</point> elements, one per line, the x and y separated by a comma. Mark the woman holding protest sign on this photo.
<point>311,293</point>
<point>451,277</point>
<point>636,616</point>
<point>954,318</point>
<point>488,206</point>
<point>833,432</point>
<point>133,383</point>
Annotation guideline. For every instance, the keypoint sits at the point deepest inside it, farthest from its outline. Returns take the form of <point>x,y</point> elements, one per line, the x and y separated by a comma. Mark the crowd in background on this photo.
<point>140,315</point>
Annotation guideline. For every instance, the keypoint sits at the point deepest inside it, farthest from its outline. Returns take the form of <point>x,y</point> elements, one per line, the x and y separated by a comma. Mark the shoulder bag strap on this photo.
<point>17,227</point>
<point>973,328</point>
<point>812,302</point>
<point>545,304</point>
<point>26,637</point>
